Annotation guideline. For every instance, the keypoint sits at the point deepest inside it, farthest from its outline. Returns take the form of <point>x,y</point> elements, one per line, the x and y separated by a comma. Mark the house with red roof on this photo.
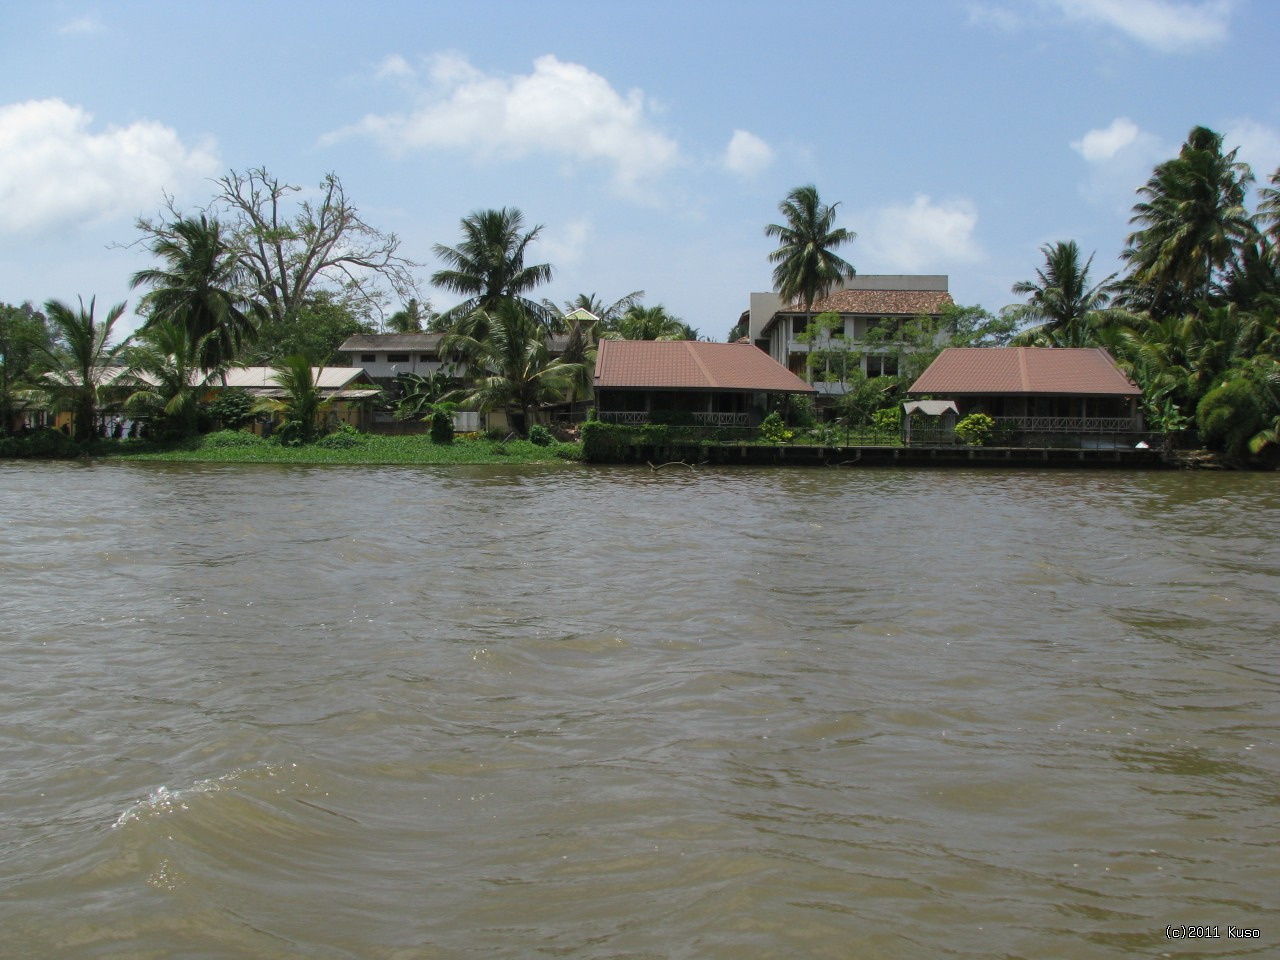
<point>1041,391</point>
<point>713,384</point>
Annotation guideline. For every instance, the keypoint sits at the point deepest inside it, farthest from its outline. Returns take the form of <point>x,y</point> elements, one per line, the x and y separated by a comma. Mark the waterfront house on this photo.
<point>713,384</point>
<point>1049,395</point>
<point>871,308</point>
<point>351,389</point>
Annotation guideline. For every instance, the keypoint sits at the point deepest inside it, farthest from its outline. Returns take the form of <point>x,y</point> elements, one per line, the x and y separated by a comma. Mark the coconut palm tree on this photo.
<point>1192,221</point>
<point>1063,308</point>
<point>82,359</point>
<point>512,366</point>
<point>653,323</point>
<point>199,289</point>
<point>489,265</point>
<point>303,404</point>
<point>169,376</point>
<point>807,267</point>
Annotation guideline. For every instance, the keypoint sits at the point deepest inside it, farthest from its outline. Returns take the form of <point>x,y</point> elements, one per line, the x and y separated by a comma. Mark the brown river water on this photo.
<point>414,713</point>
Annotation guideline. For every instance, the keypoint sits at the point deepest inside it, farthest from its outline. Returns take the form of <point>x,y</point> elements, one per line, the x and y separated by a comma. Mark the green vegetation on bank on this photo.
<point>345,446</point>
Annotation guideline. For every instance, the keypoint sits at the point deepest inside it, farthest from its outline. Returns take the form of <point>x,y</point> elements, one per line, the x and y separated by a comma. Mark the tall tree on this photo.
<point>1062,306</point>
<point>24,335</point>
<point>488,266</point>
<point>511,365</point>
<point>807,266</point>
<point>290,251</point>
<point>81,360</point>
<point>1191,220</point>
<point>199,290</point>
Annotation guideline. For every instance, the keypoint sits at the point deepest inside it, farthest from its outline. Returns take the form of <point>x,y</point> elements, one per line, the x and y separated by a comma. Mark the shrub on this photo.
<point>1229,416</point>
<point>888,422</point>
<point>976,430</point>
<point>231,408</point>
<point>540,435</point>
<point>43,444</point>
<point>222,439</point>
<point>773,430</point>
<point>345,437</point>
<point>442,423</point>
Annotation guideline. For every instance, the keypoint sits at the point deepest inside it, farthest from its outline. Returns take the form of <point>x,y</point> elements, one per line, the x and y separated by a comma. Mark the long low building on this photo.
<point>715,384</point>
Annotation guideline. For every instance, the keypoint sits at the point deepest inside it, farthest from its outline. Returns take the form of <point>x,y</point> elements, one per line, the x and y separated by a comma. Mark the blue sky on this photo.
<point>652,141</point>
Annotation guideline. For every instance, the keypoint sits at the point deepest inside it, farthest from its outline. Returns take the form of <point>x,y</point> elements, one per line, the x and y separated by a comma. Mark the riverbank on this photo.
<point>343,447</point>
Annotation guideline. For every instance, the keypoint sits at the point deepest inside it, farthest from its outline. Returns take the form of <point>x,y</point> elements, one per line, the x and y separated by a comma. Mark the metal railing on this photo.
<point>640,417</point>
<point>1069,424</point>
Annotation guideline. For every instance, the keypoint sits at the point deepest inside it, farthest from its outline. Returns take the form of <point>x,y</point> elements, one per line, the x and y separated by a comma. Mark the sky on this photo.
<point>652,142</point>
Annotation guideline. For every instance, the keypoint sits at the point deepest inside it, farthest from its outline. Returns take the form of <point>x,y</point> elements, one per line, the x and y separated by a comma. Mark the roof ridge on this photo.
<point>698,360</point>
<point>1023,378</point>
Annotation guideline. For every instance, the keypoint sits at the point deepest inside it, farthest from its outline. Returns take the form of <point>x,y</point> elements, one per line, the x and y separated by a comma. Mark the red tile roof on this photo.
<point>879,302</point>
<point>691,365</point>
<point>990,371</point>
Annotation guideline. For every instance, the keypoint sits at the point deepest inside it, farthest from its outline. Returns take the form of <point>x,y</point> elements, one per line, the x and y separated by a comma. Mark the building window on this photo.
<point>397,358</point>
<point>878,366</point>
<point>368,358</point>
<point>425,358</point>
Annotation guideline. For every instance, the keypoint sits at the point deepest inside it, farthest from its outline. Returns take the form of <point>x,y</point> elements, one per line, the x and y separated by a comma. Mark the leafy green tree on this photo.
<point>1191,220</point>
<point>512,366</point>
<point>975,327</point>
<point>488,266</point>
<point>806,264</point>
<point>199,290</point>
<point>316,330</point>
<point>1230,416</point>
<point>24,335</point>
<point>169,372</point>
<point>303,404</point>
<point>81,360</point>
<point>1063,307</point>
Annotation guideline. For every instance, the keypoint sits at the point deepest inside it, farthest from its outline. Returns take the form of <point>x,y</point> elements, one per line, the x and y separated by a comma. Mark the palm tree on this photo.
<point>303,403</point>
<point>409,319</point>
<point>512,365</point>
<point>169,376</point>
<point>488,266</point>
<point>807,267</point>
<point>653,323</point>
<point>607,314</point>
<point>1063,307</point>
<point>199,289</point>
<point>81,360</point>
<point>1192,221</point>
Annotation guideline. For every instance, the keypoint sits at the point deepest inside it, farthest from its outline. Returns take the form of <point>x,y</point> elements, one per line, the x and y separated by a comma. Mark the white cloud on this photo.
<point>1166,25</point>
<point>565,244</point>
<point>1120,158</point>
<point>923,235</point>
<point>987,14</point>
<point>395,67</point>
<point>56,172</point>
<point>560,109</point>
<point>1098,146</point>
<point>1259,145</point>
<point>88,24</point>
<point>747,155</point>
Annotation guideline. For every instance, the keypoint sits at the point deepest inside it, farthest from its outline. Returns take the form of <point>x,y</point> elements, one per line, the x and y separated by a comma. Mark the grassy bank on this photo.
<point>228,447</point>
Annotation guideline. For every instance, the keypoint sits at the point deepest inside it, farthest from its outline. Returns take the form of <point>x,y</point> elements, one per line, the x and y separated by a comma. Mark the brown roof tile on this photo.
<point>1025,370</point>
<point>879,302</point>
<point>691,365</point>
